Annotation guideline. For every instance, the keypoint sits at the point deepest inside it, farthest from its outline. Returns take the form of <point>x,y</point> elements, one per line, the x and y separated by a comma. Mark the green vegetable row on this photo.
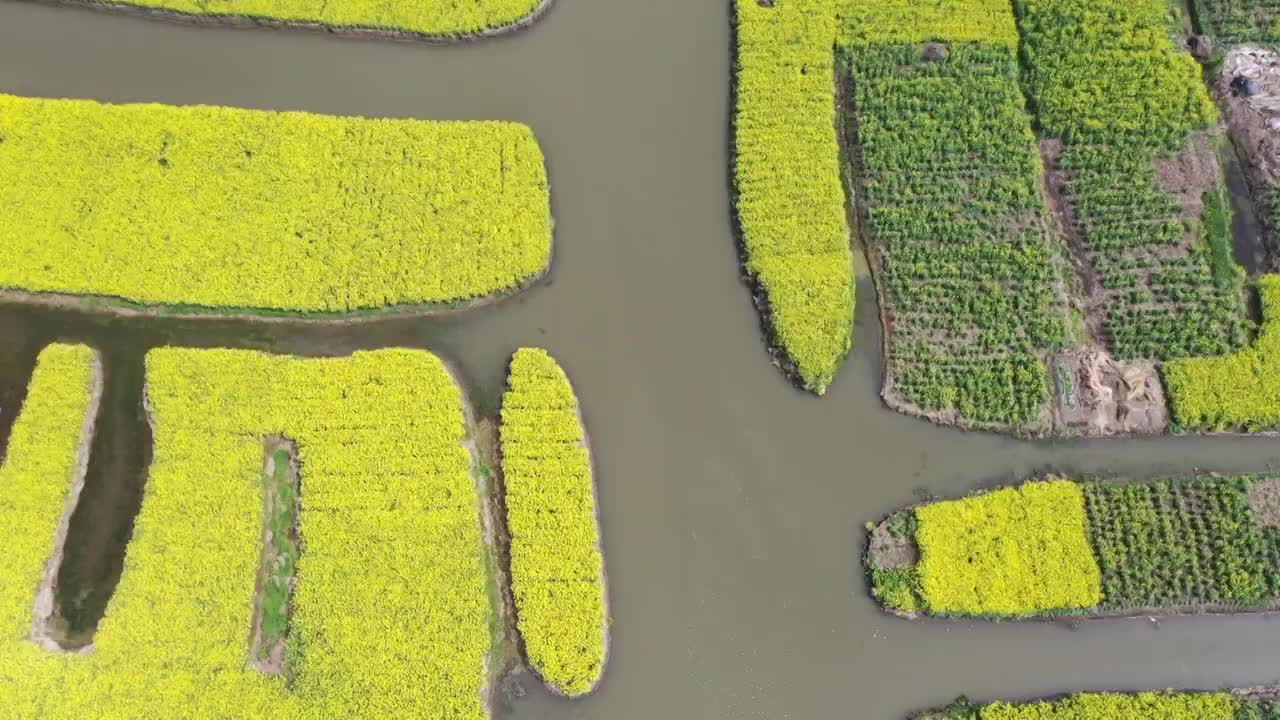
<point>950,180</point>
<point>1097,547</point>
<point>557,570</point>
<point>787,187</point>
<point>243,209</point>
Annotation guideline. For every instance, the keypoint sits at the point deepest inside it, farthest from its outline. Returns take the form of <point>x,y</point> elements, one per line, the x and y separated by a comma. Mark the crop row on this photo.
<point>1106,79</point>
<point>1240,390</point>
<point>227,208</point>
<point>966,266</point>
<point>1240,21</point>
<point>432,18</point>
<point>1166,705</point>
<point>557,571</point>
<point>391,613</point>
<point>787,184</point>
<point>1098,547</point>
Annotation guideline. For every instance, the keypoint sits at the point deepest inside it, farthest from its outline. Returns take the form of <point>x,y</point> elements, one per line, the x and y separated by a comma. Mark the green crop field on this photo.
<point>1240,21</point>
<point>240,209</point>
<point>1095,547</point>
<point>391,615</point>
<point>431,18</point>
<point>557,571</point>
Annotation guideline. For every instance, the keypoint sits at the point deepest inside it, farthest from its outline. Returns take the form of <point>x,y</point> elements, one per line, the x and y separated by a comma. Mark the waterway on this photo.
<point>733,504</point>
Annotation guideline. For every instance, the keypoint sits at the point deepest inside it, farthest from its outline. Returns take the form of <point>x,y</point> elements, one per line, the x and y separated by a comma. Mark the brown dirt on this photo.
<point>1097,395</point>
<point>1254,121</point>
<point>263,658</point>
<point>888,550</point>
<point>1190,174</point>
<point>1264,501</point>
<point>1089,297</point>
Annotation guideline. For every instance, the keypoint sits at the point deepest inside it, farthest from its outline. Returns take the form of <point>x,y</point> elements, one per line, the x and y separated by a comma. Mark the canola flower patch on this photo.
<point>1098,547</point>
<point>557,570</point>
<point>1010,552</point>
<point>40,468</point>
<point>1236,391</point>
<point>391,613</point>
<point>241,209</point>
<point>787,185</point>
<point>431,18</point>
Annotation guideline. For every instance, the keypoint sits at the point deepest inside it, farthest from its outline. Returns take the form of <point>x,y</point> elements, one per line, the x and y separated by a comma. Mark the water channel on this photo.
<point>733,504</point>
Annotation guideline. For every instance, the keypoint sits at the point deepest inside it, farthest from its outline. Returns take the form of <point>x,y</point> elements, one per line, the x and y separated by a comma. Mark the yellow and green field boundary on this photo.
<point>1204,544</point>
<point>229,211</point>
<point>1166,705</point>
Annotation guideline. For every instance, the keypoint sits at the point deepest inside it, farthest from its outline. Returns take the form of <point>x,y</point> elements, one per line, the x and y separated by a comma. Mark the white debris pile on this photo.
<point>1250,85</point>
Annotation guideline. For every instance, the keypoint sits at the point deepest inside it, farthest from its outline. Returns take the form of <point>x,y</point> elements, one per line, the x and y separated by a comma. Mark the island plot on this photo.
<point>1233,705</point>
<point>557,568</point>
<point>1093,548</point>
<point>436,20</point>
<point>228,211</point>
<point>1039,260</point>
<point>318,535</point>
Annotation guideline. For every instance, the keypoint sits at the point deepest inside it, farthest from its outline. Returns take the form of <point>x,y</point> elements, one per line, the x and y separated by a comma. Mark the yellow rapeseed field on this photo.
<point>1016,551</point>
<point>1118,706</point>
<point>436,18</point>
<point>228,208</point>
<point>391,613</point>
<point>557,572</point>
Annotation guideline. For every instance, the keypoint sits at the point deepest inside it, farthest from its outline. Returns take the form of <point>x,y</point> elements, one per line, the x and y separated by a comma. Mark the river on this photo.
<point>733,504</point>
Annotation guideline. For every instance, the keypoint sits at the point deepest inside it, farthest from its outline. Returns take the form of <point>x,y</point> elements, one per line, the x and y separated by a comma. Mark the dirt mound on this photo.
<point>1098,395</point>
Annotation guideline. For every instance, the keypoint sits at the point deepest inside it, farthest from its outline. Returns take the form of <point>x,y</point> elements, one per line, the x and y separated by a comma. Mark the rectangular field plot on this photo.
<point>970,280</point>
<point>238,209</point>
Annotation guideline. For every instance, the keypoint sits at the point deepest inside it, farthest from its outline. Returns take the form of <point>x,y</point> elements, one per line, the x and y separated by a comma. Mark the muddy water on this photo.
<point>732,504</point>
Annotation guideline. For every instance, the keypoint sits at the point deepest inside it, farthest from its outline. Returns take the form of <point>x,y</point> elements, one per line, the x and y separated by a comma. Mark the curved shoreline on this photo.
<point>115,306</point>
<point>234,21</point>
<point>499,502</point>
<point>45,610</point>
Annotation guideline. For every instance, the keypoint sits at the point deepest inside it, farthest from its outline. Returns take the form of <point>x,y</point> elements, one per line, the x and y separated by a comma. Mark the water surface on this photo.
<point>733,505</point>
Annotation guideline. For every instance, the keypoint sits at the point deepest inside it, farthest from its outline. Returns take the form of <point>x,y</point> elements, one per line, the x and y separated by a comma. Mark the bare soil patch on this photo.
<point>1264,502</point>
<point>267,653</point>
<point>1190,174</point>
<point>1098,395</point>
<point>889,548</point>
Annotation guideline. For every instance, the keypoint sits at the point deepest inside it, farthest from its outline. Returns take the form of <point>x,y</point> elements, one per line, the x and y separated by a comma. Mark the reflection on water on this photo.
<point>732,504</point>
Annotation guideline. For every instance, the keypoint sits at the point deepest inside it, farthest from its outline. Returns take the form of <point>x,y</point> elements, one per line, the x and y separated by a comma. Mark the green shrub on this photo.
<point>557,571</point>
<point>787,187</point>
<point>1236,391</point>
<point>226,208</point>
